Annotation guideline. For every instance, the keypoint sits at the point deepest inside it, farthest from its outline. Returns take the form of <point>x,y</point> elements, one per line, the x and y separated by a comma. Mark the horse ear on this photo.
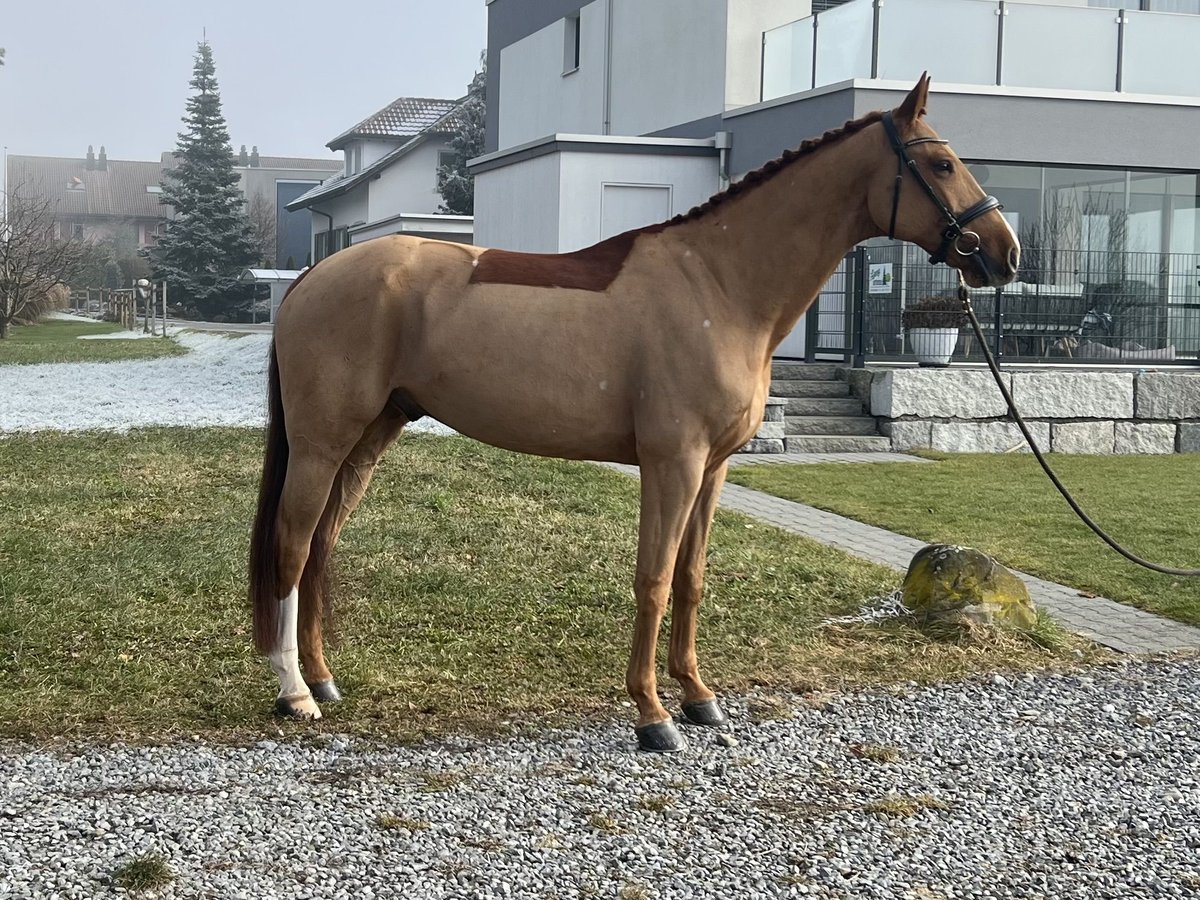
<point>913,106</point>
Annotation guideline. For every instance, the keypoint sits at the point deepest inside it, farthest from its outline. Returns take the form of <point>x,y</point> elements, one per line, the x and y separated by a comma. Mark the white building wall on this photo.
<point>408,185</point>
<point>348,209</point>
<point>537,98</point>
<point>746,22</point>
<point>582,195</point>
<point>373,150</point>
<point>668,63</point>
<point>516,207</point>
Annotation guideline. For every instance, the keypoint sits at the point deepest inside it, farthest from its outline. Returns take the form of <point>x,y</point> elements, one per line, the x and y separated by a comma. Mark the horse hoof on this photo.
<point>303,708</point>
<point>325,691</point>
<point>660,737</point>
<point>705,712</point>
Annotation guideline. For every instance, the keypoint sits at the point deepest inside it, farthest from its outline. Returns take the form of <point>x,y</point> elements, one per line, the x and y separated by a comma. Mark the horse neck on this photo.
<point>773,246</point>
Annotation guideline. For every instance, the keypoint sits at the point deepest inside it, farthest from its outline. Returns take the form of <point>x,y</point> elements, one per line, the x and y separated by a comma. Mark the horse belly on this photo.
<point>539,413</point>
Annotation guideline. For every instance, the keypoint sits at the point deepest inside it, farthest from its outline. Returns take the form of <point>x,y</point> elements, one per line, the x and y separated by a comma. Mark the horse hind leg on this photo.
<point>348,489</point>
<point>306,490</point>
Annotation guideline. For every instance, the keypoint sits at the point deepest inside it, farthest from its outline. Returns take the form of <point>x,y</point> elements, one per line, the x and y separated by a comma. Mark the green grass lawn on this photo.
<point>1005,505</point>
<point>475,585</point>
<point>56,340</point>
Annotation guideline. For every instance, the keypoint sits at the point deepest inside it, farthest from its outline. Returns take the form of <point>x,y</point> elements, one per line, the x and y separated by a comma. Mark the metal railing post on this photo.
<point>1001,12</point>
<point>859,310</point>
<point>998,350</point>
<point>1121,21</point>
<point>813,83</point>
<point>875,38</point>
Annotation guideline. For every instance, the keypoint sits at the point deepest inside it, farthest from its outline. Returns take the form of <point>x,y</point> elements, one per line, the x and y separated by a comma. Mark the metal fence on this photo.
<point>1065,306</point>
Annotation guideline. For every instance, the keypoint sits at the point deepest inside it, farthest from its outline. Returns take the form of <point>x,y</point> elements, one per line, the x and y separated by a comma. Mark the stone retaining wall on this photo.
<point>961,410</point>
<point>769,437</point>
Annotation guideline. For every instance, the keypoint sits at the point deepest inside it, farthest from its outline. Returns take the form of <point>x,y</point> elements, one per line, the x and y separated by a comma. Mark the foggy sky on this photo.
<point>293,74</point>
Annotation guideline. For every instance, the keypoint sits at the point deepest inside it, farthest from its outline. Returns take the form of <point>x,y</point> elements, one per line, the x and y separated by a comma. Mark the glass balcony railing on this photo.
<point>986,42</point>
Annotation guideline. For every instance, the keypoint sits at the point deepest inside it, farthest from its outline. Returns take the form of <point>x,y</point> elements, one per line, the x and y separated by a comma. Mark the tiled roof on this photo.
<point>404,117</point>
<point>331,164</point>
<point>299,162</point>
<point>117,190</point>
<point>448,122</point>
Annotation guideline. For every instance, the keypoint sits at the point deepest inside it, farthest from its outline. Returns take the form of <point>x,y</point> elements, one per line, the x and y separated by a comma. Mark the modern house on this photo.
<point>1081,117</point>
<point>388,182</point>
<point>97,197</point>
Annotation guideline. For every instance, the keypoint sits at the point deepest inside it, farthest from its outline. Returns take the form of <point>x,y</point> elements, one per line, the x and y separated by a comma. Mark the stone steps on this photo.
<point>830,425</point>
<point>836,443</point>
<point>803,372</point>
<point>823,406</point>
<point>819,414</point>
<point>803,388</point>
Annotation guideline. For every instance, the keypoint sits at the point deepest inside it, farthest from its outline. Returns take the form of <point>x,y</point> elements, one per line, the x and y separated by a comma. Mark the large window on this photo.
<point>327,243</point>
<point>572,37</point>
<point>1097,210</point>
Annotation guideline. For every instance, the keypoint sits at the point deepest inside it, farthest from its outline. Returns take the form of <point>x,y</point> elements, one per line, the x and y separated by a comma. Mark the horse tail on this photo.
<point>264,558</point>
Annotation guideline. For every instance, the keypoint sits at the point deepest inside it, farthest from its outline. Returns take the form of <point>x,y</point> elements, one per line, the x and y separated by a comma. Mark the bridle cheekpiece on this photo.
<point>965,243</point>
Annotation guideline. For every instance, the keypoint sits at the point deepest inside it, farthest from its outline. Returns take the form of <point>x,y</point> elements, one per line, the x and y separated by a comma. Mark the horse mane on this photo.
<point>770,169</point>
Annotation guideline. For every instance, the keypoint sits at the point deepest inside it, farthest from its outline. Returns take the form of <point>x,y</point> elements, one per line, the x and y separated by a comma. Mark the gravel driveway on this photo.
<point>1058,786</point>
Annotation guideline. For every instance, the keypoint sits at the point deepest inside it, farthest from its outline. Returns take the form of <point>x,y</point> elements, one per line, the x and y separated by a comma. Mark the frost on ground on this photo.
<point>221,381</point>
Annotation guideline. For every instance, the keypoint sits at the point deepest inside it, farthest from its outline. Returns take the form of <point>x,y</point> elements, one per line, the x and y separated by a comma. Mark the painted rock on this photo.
<point>945,582</point>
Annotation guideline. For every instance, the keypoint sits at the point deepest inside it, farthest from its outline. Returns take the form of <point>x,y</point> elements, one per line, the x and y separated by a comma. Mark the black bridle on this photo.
<point>954,235</point>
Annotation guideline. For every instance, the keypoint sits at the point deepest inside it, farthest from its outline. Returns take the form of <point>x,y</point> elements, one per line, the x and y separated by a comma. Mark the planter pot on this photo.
<point>933,346</point>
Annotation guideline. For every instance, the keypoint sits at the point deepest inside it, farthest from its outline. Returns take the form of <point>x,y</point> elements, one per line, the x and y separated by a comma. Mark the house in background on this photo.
<point>388,183</point>
<point>97,198</point>
<point>269,184</point>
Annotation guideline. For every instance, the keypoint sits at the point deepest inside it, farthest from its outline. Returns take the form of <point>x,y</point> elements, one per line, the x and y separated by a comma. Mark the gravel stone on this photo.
<point>1017,786</point>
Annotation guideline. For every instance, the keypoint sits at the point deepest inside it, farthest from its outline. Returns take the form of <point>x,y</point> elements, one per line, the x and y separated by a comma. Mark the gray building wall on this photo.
<point>992,126</point>
<point>508,22</point>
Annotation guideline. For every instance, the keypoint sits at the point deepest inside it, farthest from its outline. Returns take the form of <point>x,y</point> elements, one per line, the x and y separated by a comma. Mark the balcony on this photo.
<point>986,42</point>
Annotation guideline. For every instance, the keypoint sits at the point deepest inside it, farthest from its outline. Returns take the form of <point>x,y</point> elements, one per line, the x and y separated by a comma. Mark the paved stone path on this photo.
<point>755,459</point>
<point>1111,624</point>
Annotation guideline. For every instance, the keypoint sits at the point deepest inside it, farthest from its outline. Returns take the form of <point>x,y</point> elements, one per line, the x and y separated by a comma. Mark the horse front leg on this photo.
<point>700,705</point>
<point>669,489</point>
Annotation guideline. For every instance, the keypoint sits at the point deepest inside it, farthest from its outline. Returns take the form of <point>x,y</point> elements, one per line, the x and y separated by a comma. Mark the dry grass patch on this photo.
<point>601,822</point>
<point>878,753</point>
<point>656,802</point>
<point>144,873</point>
<point>433,782</point>
<point>389,822</point>
<point>899,806</point>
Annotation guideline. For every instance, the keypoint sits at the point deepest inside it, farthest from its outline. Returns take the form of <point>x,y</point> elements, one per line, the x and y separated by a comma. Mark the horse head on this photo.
<point>925,194</point>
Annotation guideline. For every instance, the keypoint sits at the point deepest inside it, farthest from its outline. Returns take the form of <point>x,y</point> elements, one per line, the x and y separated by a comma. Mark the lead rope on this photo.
<point>1012,409</point>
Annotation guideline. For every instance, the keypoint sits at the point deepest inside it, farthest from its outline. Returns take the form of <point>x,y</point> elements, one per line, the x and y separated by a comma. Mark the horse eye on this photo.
<point>944,165</point>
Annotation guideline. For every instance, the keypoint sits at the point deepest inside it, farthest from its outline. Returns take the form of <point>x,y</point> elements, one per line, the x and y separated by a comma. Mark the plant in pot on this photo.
<point>933,324</point>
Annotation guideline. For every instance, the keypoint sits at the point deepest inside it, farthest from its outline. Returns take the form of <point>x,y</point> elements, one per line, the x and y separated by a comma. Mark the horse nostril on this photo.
<point>1014,258</point>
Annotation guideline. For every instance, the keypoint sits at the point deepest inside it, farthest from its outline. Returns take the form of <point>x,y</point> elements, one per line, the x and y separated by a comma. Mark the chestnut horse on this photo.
<point>652,348</point>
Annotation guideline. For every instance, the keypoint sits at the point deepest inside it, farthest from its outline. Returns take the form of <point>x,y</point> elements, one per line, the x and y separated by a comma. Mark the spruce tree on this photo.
<point>455,183</point>
<point>209,241</point>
